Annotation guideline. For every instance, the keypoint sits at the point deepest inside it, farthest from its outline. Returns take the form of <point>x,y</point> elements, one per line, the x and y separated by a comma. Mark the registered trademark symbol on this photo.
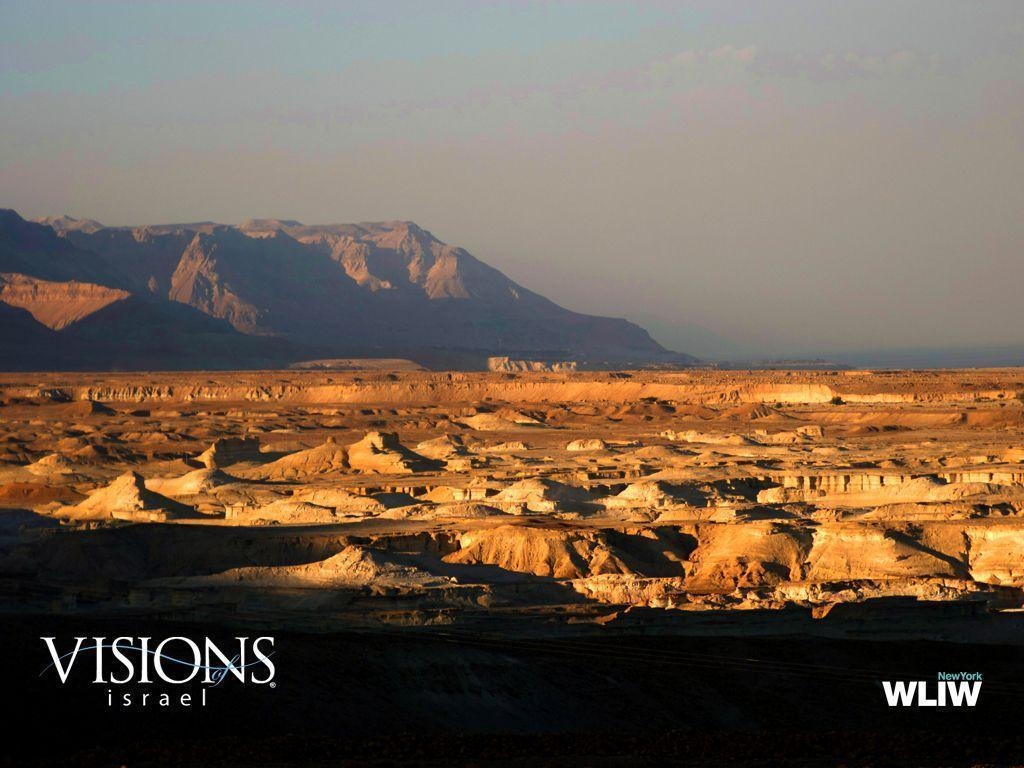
<point>273,684</point>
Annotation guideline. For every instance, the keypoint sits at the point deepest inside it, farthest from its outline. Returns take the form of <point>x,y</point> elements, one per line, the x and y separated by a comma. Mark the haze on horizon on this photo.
<point>784,179</point>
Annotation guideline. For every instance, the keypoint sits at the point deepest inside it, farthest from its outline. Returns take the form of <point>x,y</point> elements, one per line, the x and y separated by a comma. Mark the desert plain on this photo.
<point>544,502</point>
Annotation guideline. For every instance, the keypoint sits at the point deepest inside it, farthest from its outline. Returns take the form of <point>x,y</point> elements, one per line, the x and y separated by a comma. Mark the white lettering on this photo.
<point>900,694</point>
<point>63,672</point>
<point>265,658</point>
<point>961,692</point>
<point>119,655</point>
<point>196,663</point>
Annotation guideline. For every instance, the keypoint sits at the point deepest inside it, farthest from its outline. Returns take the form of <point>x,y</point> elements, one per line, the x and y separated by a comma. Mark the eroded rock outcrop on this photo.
<point>126,498</point>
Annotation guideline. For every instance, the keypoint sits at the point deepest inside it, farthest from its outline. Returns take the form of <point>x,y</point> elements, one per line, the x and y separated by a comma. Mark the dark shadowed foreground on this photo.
<point>448,698</point>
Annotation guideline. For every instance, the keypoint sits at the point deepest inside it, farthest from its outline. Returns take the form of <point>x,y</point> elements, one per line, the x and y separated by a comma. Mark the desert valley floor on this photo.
<point>461,499</point>
<point>514,513</point>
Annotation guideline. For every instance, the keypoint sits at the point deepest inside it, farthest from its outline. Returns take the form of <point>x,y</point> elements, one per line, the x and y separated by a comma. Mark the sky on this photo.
<point>772,179</point>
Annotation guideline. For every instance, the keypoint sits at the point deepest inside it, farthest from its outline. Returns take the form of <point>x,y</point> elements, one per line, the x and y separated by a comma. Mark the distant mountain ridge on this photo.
<point>270,292</point>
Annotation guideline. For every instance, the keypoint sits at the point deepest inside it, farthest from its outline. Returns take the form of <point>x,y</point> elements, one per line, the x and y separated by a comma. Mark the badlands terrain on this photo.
<point>695,502</point>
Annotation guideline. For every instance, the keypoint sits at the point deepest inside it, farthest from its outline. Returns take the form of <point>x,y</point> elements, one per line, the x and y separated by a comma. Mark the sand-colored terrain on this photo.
<point>365,498</point>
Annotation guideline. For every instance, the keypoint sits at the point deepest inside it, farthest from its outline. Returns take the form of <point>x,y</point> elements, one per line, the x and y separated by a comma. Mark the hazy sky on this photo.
<point>793,177</point>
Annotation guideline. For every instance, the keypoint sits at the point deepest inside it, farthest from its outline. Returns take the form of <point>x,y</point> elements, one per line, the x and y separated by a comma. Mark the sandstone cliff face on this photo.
<point>401,256</point>
<point>540,552</point>
<point>268,285</point>
<point>996,555</point>
<point>854,552</point>
<point>56,305</point>
<point>198,282</point>
<point>508,365</point>
<point>753,555</point>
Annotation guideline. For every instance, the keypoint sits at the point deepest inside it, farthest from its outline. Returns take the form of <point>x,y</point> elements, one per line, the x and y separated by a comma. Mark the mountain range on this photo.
<point>75,295</point>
